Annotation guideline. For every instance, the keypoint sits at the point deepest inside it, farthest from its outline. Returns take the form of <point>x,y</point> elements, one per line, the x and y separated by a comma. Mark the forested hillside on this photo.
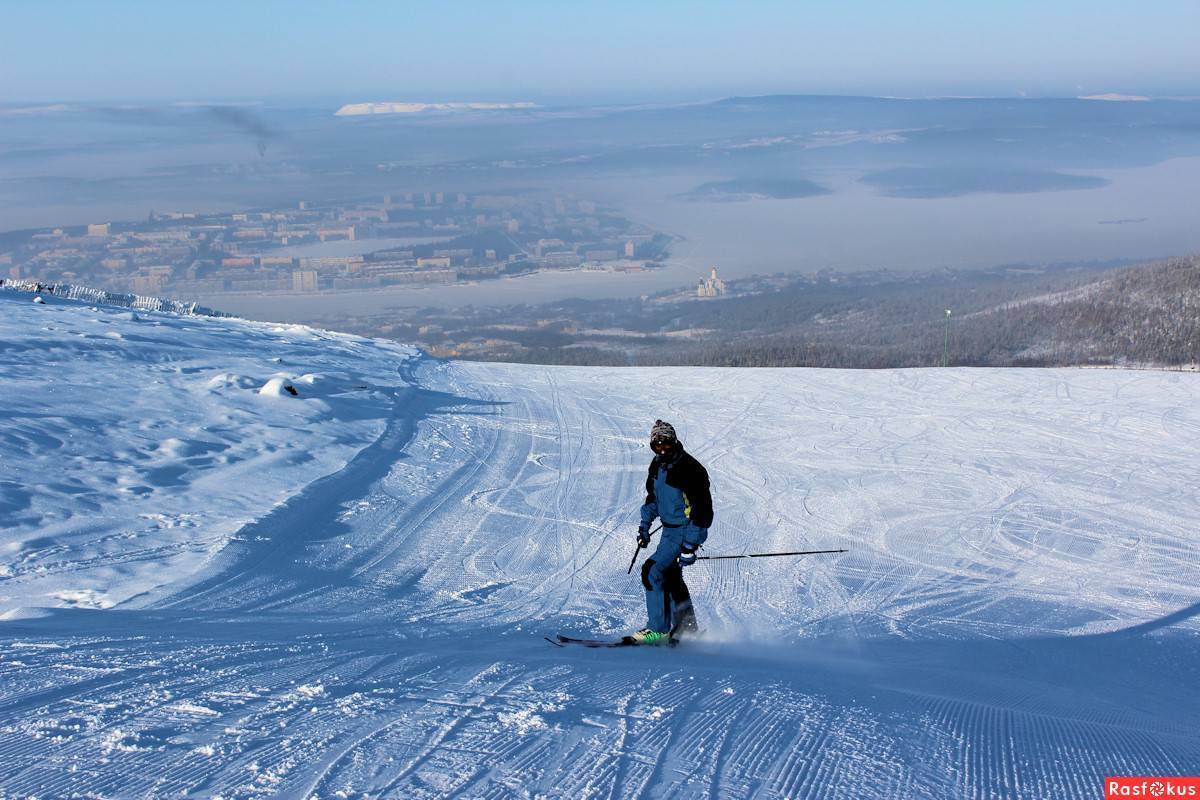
<point>1146,314</point>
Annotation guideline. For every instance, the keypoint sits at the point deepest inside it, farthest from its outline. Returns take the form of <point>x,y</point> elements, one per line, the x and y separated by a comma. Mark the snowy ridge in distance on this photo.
<point>358,609</point>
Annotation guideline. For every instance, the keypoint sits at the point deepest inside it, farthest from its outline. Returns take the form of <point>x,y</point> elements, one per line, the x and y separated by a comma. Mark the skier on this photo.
<point>677,493</point>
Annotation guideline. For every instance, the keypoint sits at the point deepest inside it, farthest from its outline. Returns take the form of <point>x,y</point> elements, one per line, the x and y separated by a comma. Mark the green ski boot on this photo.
<point>648,637</point>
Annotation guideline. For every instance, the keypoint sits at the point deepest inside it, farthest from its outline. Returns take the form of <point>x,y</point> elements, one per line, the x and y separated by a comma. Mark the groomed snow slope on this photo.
<point>1015,617</point>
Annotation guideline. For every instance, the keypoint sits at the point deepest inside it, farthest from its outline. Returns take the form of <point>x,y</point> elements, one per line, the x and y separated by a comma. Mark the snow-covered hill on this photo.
<point>215,591</point>
<point>137,445</point>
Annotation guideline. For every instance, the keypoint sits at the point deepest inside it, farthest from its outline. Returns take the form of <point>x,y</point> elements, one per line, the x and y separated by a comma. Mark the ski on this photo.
<point>624,641</point>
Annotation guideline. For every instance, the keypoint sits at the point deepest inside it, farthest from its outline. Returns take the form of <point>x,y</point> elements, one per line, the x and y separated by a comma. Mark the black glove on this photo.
<point>643,537</point>
<point>687,554</point>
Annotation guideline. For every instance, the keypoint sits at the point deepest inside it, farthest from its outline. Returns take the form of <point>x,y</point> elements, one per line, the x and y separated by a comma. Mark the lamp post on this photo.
<point>946,343</point>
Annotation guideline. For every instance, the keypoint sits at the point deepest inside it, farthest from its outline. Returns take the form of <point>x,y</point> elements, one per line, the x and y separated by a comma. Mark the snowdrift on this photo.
<point>136,446</point>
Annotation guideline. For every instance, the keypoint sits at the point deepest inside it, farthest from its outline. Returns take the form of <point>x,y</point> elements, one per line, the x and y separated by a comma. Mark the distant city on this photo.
<point>428,237</point>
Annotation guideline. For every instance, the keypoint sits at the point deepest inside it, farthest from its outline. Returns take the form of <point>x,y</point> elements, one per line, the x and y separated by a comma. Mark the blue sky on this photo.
<point>356,50</point>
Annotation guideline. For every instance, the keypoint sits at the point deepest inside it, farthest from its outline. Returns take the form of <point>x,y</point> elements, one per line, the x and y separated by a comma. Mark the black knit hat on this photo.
<point>662,432</point>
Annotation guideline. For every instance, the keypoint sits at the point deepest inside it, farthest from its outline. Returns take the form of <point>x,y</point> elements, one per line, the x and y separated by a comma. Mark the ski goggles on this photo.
<point>662,446</point>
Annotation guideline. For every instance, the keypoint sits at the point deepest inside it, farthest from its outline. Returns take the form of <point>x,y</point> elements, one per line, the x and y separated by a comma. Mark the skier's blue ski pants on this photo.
<point>658,599</point>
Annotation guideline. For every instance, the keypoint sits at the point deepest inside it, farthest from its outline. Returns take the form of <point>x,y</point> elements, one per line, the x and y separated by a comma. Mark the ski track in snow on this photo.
<point>1015,617</point>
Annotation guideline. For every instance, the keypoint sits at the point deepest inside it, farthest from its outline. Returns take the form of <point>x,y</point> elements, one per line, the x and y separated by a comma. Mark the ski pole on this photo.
<point>767,555</point>
<point>633,560</point>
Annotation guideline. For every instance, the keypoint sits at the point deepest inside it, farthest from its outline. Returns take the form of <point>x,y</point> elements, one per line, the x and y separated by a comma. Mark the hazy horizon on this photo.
<point>612,99</point>
<point>618,52</point>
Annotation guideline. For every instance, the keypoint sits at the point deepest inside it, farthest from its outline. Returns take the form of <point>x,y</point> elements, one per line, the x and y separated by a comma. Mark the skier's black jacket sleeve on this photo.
<point>691,478</point>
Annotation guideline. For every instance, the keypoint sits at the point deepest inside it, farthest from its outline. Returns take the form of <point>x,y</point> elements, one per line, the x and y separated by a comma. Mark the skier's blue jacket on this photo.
<point>677,492</point>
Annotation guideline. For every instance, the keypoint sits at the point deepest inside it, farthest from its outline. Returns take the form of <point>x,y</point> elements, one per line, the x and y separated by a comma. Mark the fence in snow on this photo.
<point>87,294</point>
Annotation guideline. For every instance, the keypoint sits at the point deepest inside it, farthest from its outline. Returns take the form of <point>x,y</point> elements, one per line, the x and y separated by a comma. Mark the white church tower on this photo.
<point>711,286</point>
